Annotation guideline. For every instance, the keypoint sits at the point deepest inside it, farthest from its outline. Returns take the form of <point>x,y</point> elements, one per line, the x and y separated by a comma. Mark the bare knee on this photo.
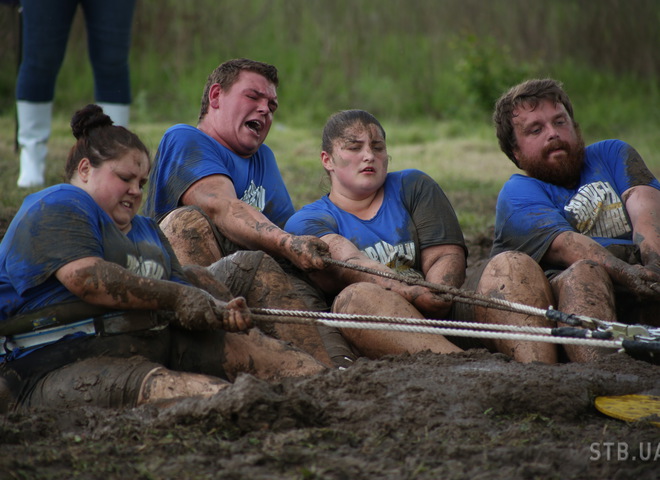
<point>585,288</point>
<point>357,297</point>
<point>515,265</point>
<point>586,270</point>
<point>516,276</point>
<point>580,275</point>
<point>191,236</point>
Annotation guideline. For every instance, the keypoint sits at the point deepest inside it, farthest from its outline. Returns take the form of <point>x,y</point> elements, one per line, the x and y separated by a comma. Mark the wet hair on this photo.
<point>98,140</point>
<point>529,93</point>
<point>337,124</point>
<point>227,73</point>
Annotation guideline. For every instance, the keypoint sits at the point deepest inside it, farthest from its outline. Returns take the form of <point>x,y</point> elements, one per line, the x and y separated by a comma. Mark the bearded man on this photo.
<point>590,216</point>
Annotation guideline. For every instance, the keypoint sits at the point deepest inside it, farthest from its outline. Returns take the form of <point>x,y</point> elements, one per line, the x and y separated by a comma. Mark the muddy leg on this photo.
<point>516,277</point>
<point>202,278</point>
<point>191,237</point>
<point>117,382</point>
<point>266,357</point>
<point>370,299</point>
<point>161,384</point>
<point>272,288</point>
<point>338,348</point>
<point>585,289</point>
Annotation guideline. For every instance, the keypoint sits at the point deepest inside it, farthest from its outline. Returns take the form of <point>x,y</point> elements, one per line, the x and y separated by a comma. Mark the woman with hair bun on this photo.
<point>95,309</point>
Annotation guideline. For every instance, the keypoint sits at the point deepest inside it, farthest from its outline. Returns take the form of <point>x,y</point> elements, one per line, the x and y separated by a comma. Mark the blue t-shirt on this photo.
<point>61,224</point>
<point>186,155</point>
<point>531,213</point>
<point>415,214</point>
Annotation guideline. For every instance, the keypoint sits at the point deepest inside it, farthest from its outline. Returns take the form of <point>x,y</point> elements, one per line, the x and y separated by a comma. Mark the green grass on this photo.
<point>463,158</point>
<point>430,70</point>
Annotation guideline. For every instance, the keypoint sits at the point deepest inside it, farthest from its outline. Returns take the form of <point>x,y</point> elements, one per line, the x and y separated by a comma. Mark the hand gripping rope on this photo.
<point>637,340</point>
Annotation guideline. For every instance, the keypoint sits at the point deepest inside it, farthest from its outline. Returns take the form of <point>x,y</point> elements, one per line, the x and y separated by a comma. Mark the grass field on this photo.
<point>464,159</point>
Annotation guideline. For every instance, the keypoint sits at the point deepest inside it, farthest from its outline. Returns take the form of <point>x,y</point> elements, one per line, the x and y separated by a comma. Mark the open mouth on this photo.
<point>368,170</point>
<point>127,204</point>
<point>255,126</point>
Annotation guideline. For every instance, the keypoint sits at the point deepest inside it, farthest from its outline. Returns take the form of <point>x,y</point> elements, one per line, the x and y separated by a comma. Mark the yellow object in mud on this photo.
<point>631,408</point>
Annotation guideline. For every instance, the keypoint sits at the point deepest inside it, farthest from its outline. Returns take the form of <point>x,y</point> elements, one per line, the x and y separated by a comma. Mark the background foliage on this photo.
<point>397,58</point>
<point>429,69</point>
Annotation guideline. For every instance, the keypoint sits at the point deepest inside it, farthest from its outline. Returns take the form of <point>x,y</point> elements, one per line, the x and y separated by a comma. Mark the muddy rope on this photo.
<point>467,296</point>
<point>438,327</point>
<point>640,340</point>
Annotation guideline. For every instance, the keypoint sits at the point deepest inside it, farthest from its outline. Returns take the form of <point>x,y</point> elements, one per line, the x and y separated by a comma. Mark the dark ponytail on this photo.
<point>98,140</point>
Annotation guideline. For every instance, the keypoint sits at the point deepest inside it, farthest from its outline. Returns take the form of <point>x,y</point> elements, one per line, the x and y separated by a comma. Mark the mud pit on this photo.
<point>470,415</point>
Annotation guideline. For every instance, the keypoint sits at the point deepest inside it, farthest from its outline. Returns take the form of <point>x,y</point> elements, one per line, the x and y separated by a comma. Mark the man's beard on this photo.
<point>565,171</point>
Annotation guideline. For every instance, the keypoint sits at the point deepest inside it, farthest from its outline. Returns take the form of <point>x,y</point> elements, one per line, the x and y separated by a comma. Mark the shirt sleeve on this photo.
<point>311,220</point>
<point>526,218</point>
<point>433,215</point>
<point>57,230</point>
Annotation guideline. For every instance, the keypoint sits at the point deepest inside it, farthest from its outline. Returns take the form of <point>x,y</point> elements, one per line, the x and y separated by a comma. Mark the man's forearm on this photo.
<point>246,226</point>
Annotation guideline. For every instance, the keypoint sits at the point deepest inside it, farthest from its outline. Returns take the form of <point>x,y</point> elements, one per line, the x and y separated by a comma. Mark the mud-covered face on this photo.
<point>241,117</point>
<point>117,185</point>
<point>358,163</point>
<point>549,147</point>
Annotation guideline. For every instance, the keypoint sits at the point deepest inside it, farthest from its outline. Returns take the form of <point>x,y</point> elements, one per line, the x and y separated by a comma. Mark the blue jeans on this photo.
<point>46,27</point>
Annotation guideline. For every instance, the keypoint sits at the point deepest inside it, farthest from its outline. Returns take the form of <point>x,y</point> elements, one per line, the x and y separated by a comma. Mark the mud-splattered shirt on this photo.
<point>61,224</point>
<point>415,214</point>
<point>531,213</point>
<point>186,155</point>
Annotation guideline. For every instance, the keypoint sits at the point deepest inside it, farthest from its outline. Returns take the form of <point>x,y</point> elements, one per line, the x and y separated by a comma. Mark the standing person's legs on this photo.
<point>109,27</point>
<point>46,25</point>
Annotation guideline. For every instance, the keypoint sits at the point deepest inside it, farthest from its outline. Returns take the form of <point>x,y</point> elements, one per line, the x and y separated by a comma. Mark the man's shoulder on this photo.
<point>265,152</point>
<point>605,147</point>
<point>518,179</point>
<point>182,131</point>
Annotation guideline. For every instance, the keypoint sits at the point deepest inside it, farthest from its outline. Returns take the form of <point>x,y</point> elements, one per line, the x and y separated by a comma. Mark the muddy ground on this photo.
<point>471,415</point>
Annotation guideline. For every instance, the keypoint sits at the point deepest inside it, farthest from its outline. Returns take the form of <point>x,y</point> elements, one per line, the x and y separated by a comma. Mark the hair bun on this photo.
<point>87,119</point>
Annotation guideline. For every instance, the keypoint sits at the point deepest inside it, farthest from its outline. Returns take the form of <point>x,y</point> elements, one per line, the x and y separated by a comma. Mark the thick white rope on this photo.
<point>593,342</point>
<point>418,325</point>
<point>401,320</point>
<point>464,296</point>
<point>447,327</point>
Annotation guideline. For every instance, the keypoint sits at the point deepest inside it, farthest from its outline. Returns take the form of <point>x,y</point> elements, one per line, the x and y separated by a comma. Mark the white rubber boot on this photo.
<point>34,119</point>
<point>118,112</point>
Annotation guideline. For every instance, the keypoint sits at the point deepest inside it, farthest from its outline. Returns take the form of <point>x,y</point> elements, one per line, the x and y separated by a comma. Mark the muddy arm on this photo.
<point>333,279</point>
<point>246,226</point>
<point>570,247</point>
<point>103,283</point>
<point>643,206</point>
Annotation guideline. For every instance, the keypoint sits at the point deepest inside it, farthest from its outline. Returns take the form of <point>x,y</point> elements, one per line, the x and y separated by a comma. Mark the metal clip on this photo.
<point>622,331</point>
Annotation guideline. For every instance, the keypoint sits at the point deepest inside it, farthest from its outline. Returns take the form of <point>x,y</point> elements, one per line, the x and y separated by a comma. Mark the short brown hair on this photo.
<point>529,93</point>
<point>227,73</point>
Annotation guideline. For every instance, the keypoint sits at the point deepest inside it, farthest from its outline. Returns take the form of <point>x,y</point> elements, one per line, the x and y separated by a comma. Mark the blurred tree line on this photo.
<point>400,58</point>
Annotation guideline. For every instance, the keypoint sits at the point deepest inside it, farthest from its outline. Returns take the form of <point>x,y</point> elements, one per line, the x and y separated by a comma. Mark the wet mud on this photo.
<point>467,415</point>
